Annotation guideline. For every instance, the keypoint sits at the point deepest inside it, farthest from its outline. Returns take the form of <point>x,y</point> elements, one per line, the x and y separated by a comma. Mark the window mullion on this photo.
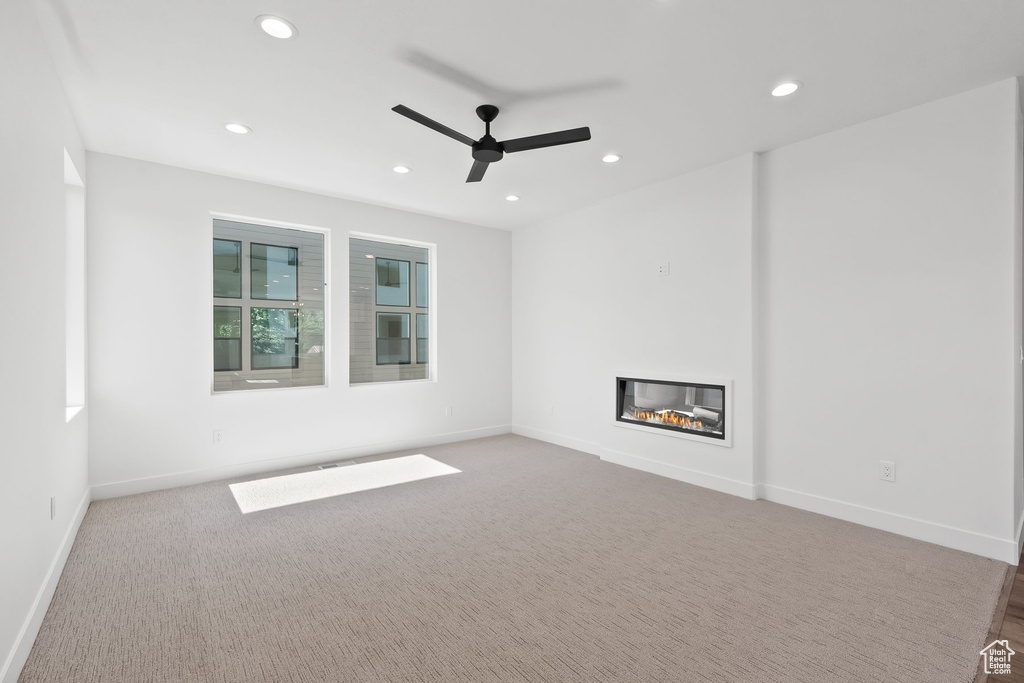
<point>247,306</point>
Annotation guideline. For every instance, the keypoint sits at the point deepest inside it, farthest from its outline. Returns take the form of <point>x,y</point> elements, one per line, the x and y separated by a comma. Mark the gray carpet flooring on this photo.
<point>536,563</point>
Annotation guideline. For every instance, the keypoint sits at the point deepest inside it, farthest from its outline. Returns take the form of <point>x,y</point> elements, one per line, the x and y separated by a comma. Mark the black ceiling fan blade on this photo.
<point>431,123</point>
<point>476,174</point>
<point>562,137</point>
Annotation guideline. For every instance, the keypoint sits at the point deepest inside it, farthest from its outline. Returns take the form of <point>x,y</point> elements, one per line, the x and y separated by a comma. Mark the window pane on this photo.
<point>393,339</point>
<point>227,322</point>
<point>227,342</point>
<point>422,334</point>
<point>392,282</point>
<point>274,272</point>
<point>275,337</point>
<point>227,269</point>
<point>227,354</point>
<point>422,285</point>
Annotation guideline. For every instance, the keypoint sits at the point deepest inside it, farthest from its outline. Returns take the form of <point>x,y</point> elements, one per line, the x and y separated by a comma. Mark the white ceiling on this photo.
<point>672,85</point>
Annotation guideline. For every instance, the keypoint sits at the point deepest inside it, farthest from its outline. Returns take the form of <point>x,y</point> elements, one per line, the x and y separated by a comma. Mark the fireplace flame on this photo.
<point>668,418</point>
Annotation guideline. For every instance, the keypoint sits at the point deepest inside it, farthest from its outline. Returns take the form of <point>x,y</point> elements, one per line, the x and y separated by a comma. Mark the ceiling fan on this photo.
<point>487,150</point>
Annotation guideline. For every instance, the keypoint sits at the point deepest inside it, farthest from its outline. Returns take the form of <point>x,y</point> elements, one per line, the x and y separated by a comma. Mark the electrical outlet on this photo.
<point>53,507</point>
<point>448,411</point>
<point>886,470</point>
<point>550,410</point>
<point>218,435</point>
<point>663,268</point>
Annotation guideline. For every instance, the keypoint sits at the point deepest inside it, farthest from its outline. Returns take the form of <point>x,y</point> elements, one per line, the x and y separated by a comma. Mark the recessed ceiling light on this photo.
<point>276,26</point>
<point>788,88</point>
<point>512,198</point>
<point>610,158</point>
<point>401,169</point>
<point>237,128</point>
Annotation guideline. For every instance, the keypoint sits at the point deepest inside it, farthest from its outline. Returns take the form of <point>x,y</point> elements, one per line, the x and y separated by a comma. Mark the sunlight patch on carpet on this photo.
<point>264,494</point>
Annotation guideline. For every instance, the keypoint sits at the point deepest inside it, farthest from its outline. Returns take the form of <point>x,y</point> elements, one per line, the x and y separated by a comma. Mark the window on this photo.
<point>422,337</point>
<point>392,282</point>
<point>227,269</point>
<point>269,300</point>
<point>275,338</point>
<point>227,338</point>
<point>389,311</point>
<point>275,273</point>
<point>393,339</point>
<point>422,285</point>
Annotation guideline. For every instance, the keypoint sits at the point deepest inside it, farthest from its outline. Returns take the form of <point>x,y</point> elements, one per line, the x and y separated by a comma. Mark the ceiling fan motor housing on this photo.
<point>488,149</point>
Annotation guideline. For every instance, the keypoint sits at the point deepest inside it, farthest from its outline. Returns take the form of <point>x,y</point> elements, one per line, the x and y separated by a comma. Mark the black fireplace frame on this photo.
<point>620,394</point>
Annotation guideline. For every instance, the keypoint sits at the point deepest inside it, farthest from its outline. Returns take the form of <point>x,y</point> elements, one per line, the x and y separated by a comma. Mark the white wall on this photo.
<point>588,306</point>
<point>152,411</point>
<point>42,455</point>
<point>875,283</point>
<point>889,323</point>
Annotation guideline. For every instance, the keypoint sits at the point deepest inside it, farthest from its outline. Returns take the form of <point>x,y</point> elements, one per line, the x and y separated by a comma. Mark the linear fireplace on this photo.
<point>693,409</point>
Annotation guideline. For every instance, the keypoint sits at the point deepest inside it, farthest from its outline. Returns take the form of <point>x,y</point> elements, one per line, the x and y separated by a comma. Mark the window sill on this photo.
<point>71,411</point>
<point>425,380</point>
<point>265,390</point>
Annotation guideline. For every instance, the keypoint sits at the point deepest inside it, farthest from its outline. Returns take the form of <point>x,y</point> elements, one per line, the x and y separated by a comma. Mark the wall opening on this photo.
<point>687,407</point>
<point>269,306</point>
<point>74,287</point>
<point>391,310</point>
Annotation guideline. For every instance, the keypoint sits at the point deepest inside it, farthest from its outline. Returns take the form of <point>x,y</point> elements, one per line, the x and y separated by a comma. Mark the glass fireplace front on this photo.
<point>687,407</point>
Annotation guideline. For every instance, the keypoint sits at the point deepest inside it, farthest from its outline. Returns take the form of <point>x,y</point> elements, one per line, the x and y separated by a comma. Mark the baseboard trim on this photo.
<point>1001,549</point>
<point>176,479</point>
<point>1005,550</point>
<point>30,629</point>
<point>703,479</point>
<point>708,481</point>
<point>558,439</point>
